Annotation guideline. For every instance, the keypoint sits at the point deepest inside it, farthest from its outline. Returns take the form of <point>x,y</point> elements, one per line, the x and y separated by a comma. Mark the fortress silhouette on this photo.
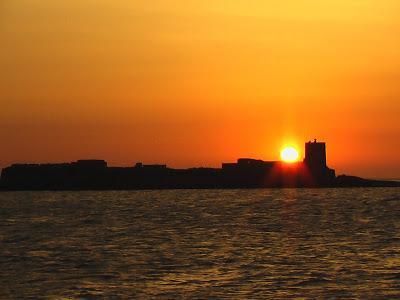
<point>245,173</point>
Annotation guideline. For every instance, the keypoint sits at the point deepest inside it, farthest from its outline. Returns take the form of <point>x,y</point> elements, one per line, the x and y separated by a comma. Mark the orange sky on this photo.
<point>195,83</point>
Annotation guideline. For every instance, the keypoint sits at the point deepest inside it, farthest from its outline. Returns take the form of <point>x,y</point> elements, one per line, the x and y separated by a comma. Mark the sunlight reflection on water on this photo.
<point>234,244</point>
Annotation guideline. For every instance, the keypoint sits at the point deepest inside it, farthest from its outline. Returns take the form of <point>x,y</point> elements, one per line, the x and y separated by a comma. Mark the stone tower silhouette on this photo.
<point>315,155</point>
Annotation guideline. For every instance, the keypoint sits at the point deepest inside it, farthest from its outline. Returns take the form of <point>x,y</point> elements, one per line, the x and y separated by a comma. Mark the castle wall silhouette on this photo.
<point>245,173</point>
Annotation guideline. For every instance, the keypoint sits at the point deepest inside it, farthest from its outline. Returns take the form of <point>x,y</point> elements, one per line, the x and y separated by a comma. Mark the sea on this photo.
<point>201,244</point>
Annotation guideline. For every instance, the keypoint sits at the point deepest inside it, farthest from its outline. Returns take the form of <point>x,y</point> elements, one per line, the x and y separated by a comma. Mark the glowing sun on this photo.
<point>289,154</point>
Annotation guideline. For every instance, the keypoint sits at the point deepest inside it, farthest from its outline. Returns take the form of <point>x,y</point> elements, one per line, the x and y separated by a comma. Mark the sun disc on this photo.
<point>289,154</point>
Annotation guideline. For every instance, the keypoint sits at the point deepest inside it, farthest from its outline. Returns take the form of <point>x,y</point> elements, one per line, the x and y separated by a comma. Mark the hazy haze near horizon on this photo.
<point>200,82</point>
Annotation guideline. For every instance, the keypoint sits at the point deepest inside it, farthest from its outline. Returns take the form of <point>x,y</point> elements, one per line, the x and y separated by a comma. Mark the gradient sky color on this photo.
<point>194,83</point>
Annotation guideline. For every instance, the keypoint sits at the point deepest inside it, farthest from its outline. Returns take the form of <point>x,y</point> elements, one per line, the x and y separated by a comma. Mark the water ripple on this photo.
<point>197,244</point>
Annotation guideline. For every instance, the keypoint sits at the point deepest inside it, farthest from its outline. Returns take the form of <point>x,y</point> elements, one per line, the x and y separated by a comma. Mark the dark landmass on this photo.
<point>353,181</point>
<point>245,173</point>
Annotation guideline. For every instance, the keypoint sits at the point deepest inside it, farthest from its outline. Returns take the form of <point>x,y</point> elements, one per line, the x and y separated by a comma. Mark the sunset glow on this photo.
<point>195,83</point>
<point>289,154</point>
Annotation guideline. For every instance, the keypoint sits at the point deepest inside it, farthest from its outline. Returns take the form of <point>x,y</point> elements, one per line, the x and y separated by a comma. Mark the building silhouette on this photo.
<point>245,173</point>
<point>315,162</point>
<point>315,154</point>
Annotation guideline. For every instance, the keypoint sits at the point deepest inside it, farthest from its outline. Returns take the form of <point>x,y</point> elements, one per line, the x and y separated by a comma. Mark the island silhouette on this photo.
<point>245,173</point>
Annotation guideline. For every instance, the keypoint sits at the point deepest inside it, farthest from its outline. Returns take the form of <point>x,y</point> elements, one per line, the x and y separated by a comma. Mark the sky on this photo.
<point>196,83</point>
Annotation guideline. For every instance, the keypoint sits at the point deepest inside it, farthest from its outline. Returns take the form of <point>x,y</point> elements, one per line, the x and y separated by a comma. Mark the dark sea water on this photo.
<point>201,244</point>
